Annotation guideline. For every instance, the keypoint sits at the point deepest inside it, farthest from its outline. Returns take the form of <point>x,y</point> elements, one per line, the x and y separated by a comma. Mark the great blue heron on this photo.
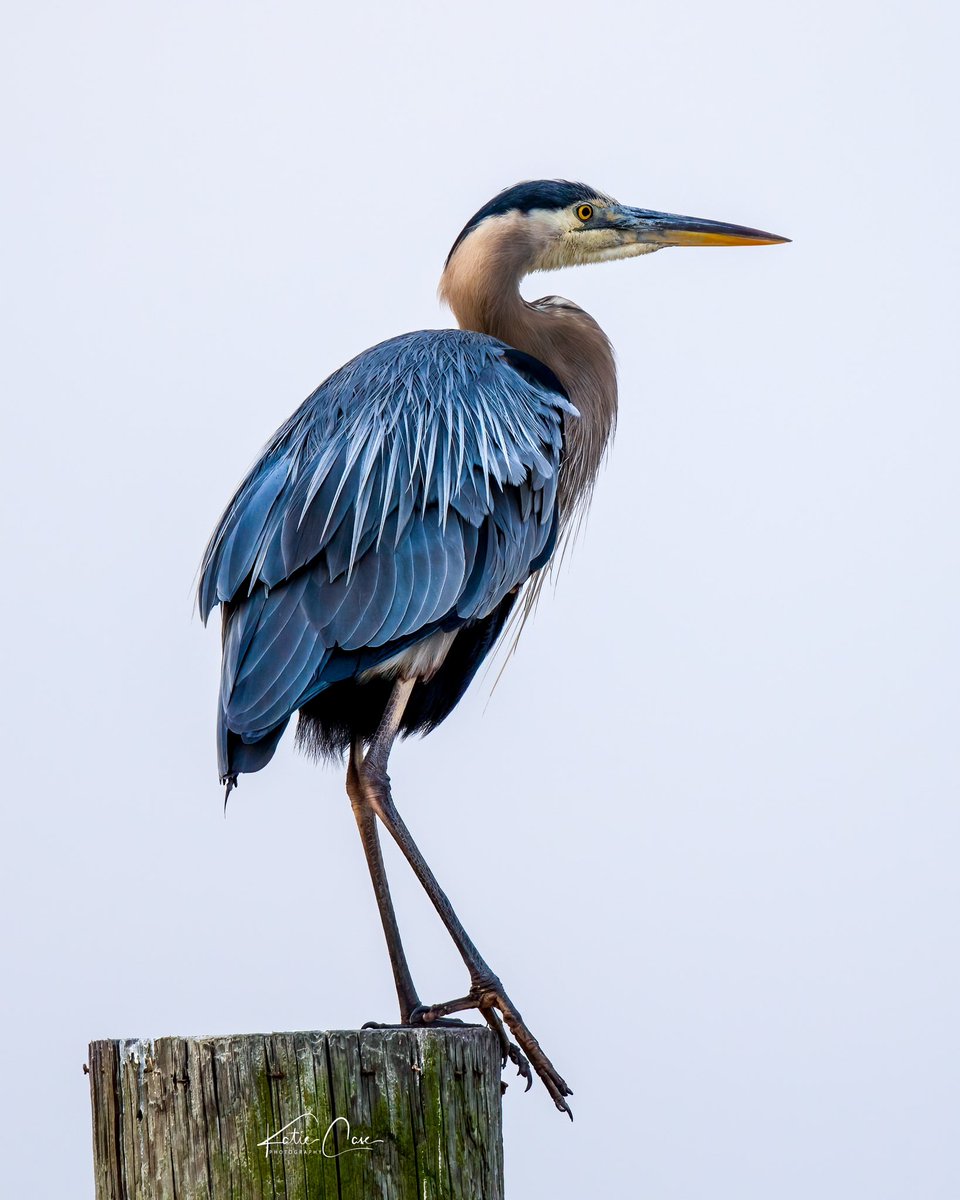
<point>369,561</point>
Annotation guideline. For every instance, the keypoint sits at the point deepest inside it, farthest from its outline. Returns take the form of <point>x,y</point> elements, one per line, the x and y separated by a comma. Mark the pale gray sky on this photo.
<point>707,827</point>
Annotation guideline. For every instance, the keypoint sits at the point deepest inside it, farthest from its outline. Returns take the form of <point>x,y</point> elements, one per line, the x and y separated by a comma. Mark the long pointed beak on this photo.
<point>668,229</point>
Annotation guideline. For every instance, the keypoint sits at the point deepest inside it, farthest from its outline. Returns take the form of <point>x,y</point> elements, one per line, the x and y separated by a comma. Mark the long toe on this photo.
<point>423,1015</point>
<point>509,1051</point>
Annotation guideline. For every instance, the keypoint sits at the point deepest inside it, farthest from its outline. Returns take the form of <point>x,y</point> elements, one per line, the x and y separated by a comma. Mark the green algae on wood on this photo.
<point>376,1114</point>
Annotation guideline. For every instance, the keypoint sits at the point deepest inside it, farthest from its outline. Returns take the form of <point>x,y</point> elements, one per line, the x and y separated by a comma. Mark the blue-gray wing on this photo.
<point>412,492</point>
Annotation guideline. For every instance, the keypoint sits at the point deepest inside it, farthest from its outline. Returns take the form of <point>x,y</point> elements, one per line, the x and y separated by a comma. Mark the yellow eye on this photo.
<point>585,212</point>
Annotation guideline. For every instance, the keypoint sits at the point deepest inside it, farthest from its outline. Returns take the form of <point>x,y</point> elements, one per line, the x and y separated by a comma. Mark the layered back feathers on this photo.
<point>411,492</point>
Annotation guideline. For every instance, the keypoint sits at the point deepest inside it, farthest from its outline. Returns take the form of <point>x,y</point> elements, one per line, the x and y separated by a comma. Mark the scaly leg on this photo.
<point>486,991</point>
<point>367,824</point>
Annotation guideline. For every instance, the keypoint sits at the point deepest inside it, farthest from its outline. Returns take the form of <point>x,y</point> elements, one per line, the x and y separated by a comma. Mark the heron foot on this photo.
<point>508,1050</point>
<point>488,996</point>
<point>413,1022</point>
<point>422,1016</point>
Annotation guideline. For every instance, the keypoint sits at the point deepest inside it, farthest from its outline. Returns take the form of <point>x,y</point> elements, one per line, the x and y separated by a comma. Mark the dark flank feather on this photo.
<point>413,493</point>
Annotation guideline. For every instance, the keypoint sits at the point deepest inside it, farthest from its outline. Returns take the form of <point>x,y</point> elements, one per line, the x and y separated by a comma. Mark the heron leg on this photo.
<point>369,836</point>
<point>486,991</point>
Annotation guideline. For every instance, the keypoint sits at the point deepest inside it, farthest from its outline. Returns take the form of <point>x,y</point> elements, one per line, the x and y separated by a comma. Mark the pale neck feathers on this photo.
<point>481,286</point>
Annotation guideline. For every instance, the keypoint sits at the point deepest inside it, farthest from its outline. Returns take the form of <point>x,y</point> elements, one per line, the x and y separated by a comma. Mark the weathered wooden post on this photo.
<point>385,1114</point>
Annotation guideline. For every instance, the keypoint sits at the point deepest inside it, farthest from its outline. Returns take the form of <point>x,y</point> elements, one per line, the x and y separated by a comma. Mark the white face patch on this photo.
<point>569,242</point>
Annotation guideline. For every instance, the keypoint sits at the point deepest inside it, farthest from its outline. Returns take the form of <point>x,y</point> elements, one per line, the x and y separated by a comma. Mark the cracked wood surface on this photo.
<point>379,1114</point>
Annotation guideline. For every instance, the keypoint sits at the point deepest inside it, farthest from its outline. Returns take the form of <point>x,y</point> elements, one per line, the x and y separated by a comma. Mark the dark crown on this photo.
<point>522,197</point>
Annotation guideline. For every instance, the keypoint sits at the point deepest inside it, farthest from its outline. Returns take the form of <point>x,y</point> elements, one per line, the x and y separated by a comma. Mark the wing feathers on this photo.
<point>416,486</point>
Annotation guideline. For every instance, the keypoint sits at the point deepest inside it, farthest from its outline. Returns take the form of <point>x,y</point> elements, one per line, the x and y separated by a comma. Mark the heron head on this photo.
<point>551,223</point>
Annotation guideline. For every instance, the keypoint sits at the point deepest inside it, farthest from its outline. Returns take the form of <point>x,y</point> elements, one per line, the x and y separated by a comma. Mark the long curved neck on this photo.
<point>481,285</point>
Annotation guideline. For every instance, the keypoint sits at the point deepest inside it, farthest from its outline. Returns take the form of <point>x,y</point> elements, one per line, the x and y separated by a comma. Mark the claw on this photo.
<point>522,1063</point>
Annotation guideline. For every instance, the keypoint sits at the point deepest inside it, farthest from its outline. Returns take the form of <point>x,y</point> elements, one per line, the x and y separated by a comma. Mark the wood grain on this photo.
<point>264,1116</point>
